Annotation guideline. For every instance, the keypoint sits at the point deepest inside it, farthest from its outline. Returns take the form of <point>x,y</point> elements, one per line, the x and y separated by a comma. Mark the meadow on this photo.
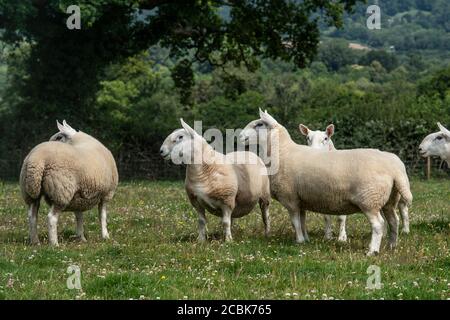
<point>153,253</point>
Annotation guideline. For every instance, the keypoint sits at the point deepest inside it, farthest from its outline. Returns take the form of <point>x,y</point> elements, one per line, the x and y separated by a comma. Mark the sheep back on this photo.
<point>72,177</point>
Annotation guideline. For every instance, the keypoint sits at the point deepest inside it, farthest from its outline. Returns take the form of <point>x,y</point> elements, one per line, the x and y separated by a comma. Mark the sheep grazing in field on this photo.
<point>437,144</point>
<point>337,183</point>
<point>322,140</point>
<point>73,172</point>
<point>217,183</point>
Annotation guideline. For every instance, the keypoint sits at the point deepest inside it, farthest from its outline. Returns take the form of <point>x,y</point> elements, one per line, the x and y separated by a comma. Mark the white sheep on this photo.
<point>322,140</point>
<point>339,182</point>
<point>73,172</point>
<point>217,183</point>
<point>437,144</point>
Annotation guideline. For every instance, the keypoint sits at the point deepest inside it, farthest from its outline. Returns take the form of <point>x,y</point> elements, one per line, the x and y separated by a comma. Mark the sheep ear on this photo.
<point>267,118</point>
<point>65,129</point>
<point>187,128</point>
<point>60,126</point>
<point>330,130</point>
<point>303,129</point>
<point>66,125</point>
<point>443,129</point>
<point>261,113</point>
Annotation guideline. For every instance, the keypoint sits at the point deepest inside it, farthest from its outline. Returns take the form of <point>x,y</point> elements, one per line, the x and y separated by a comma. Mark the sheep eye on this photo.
<point>258,125</point>
<point>180,137</point>
<point>439,137</point>
<point>326,139</point>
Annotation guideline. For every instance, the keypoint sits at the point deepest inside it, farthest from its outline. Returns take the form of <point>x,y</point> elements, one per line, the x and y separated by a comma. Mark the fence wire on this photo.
<point>154,167</point>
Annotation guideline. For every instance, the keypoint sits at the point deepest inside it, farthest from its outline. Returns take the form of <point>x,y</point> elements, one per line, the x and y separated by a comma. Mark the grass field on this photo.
<point>153,253</point>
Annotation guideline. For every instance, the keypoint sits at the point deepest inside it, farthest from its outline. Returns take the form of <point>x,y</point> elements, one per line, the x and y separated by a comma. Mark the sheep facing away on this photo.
<point>217,183</point>
<point>322,140</point>
<point>437,144</point>
<point>339,182</point>
<point>73,172</point>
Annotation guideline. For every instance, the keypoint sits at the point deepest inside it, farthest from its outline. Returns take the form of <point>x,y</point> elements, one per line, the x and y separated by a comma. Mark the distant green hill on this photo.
<point>406,25</point>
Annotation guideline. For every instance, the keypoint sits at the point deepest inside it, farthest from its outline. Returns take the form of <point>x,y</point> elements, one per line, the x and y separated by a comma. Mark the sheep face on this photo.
<point>436,144</point>
<point>183,146</point>
<point>173,139</point>
<point>257,130</point>
<point>318,139</point>
<point>65,133</point>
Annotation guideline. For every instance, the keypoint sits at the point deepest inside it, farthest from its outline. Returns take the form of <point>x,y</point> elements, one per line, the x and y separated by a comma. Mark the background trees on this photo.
<point>136,66</point>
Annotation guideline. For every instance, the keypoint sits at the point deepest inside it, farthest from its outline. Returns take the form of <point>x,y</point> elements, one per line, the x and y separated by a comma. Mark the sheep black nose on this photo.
<point>161,151</point>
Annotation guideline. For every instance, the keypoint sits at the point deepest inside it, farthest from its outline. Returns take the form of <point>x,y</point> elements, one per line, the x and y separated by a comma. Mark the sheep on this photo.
<point>437,144</point>
<point>339,183</point>
<point>216,183</point>
<point>319,139</point>
<point>73,172</point>
<point>322,140</point>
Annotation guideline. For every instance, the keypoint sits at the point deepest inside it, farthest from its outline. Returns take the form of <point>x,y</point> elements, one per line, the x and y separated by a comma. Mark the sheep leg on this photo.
<point>80,227</point>
<point>201,225</point>
<point>53,226</point>
<point>342,233</point>
<point>103,221</point>
<point>328,227</point>
<point>303,224</point>
<point>403,208</point>
<point>226,223</point>
<point>296,223</point>
<point>377,223</point>
<point>385,226</point>
<point>33,210</point>
<point>264,206</point>
<point>392,219</point>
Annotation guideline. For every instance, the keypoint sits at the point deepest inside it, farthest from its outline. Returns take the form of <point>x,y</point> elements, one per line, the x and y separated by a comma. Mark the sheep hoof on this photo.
<point>342,238</point>
<point>82,239</point>
<point>105,236</point>
<point>372,253</point>
<point>201,239</point>
<point>328,236</point>
<point>228,239</point>
<point>405,231</point>
<point>300,241</point>
<point>35,242</point>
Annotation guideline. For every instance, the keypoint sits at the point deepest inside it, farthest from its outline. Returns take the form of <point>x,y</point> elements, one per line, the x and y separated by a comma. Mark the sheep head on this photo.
<point>257,130</point>
<point>436,144</point>
<point>65,134</point>
<point>318,139</point>
<point>181,145</point>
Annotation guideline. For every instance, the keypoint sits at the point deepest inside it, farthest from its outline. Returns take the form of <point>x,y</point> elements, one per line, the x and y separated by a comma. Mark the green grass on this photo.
<point>153,253</point>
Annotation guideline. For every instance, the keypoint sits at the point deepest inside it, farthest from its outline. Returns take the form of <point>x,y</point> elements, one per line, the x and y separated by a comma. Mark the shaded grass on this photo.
<point>153,252</point>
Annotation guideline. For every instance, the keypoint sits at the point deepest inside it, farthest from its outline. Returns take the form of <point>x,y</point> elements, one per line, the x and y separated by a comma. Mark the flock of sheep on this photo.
<point>75,172</point>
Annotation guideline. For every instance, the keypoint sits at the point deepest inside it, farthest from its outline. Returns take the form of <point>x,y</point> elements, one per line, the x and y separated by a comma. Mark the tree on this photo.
<point>387,60</point>
<point>65,65</point>
<point>438,84</point>
<point>336,54</point>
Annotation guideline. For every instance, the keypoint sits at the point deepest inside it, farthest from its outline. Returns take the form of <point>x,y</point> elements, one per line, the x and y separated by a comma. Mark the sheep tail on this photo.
<point>402,185</point>
<point>31,179</point>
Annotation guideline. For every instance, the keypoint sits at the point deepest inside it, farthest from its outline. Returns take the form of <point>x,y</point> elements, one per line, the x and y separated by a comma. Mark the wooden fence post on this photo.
<point>428,168</point>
